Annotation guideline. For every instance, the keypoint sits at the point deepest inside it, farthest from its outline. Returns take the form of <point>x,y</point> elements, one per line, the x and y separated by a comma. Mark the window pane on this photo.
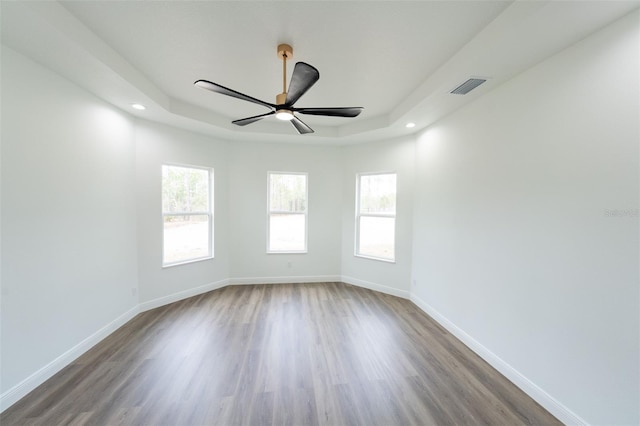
<point>184,189</point>
<point>376,237</point>
<point>286,232</point>
<point>287,193</point>
<point>378,193</point>
<point>186,238</point>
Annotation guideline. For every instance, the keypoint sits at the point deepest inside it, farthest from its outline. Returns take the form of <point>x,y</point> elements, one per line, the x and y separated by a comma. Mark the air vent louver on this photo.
<point>467,86</point>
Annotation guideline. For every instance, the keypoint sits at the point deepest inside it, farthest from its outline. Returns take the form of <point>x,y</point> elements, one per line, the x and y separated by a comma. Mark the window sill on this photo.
<point>186,262</point>
<point>379,259</point>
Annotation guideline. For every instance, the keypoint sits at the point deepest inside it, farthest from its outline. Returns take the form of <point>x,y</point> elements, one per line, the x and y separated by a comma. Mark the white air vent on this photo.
<point>468,86</point>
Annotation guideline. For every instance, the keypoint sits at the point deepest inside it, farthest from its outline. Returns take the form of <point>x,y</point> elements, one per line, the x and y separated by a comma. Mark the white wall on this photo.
<point>393,156</point>
<point>249,164</point>
<point>515,245</point>
<point>68,217</point>
<point>156,145</point>
<point>514,242</point>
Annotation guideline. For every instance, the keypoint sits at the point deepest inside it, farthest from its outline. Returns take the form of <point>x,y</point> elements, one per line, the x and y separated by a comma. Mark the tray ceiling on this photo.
<point>397,59</point>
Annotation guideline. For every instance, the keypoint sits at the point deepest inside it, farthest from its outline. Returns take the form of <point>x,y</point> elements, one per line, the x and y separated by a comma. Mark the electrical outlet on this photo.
<point>134,291</point>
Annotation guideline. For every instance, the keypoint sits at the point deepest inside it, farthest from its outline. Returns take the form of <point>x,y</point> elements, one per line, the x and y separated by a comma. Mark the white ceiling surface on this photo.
<point>397,59</point>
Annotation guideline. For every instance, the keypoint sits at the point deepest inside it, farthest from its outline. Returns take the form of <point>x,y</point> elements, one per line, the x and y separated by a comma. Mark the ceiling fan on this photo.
<point>304,76</point>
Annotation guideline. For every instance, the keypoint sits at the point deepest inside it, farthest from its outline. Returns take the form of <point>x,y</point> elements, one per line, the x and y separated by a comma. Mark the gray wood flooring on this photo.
<point>283,354</point>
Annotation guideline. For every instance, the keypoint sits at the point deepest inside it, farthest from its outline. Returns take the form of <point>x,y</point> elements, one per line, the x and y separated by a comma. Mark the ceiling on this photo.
<point>397,59</point>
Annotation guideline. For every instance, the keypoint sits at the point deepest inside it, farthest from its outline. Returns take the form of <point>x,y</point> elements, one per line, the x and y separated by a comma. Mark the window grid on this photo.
<point>287,227</point>
<point>375,225</point>
<point>194,242</point>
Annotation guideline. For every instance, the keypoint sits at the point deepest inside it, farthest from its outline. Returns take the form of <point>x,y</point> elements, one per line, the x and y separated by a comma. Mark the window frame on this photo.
<point>359,215</point>
<point>305,213</point>
<point>209,214</point>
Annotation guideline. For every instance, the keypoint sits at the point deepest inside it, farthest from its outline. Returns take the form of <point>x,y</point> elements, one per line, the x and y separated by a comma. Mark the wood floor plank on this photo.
<point>284,354</point>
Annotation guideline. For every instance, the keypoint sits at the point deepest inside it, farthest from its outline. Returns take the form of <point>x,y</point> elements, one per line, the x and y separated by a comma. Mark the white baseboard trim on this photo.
<point>13,395</point>
<point>552,405</point>
<point>285,280</point>
<point>165,300</point>
<point>376,287</point>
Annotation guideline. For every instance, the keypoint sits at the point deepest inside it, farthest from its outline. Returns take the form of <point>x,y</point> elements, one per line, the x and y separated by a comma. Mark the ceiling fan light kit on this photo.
<point>304,76</point>
<point>284,115</point>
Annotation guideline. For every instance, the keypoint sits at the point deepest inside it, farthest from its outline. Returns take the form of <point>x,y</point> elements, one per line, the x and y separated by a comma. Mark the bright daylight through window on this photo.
<point>287,215</point>
<point>187,214</point>
<point>376,216</point>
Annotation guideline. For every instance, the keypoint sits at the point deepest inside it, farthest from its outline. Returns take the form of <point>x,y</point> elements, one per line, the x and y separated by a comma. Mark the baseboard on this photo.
<point>285,280</point>
<point>376,287</point>
<point>13,395</point>
<point>552,405</point>
<point>165,300</point>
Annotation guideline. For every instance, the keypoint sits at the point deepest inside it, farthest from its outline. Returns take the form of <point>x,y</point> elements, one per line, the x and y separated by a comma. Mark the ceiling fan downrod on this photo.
<point>285,52</point>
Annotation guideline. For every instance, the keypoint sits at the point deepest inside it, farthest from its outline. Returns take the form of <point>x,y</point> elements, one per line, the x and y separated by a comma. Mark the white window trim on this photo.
<point>305,213</point>
<point>358,215</point>
<point>209,213</point>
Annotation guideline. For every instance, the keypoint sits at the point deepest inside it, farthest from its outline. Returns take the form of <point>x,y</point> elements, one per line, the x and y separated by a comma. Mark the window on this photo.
<point>187,214</point>
<point>287,214</point>
<point>376,216</point>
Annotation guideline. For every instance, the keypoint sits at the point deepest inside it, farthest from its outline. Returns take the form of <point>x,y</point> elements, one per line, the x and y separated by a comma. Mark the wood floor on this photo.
<point>285,354</point>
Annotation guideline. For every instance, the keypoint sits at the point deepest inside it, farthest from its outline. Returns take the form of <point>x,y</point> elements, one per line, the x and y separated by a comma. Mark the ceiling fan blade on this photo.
<point>214,87</point>
<point>331,112</point>
<point>304,76</point>
<point>300,126</point>
<point>249,120</point>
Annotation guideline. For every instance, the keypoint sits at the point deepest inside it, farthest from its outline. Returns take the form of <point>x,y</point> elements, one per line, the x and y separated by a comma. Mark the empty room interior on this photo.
<point>445,232</point>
